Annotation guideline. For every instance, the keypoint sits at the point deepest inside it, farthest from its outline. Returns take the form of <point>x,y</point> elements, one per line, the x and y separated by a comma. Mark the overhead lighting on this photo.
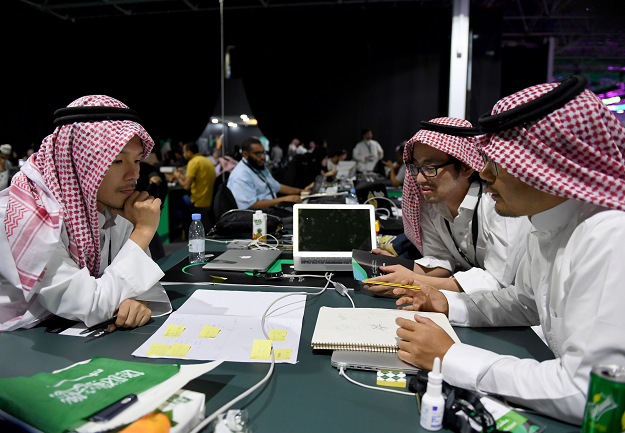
<point>251,122</point>
<point>612,100</point>
<point>232,124</point>
<point>215,120</point>
<point>620,111</point>
<point>244,116</point>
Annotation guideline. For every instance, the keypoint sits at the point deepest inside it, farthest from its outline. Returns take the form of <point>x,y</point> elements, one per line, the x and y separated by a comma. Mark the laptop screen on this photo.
<point>334,230</point>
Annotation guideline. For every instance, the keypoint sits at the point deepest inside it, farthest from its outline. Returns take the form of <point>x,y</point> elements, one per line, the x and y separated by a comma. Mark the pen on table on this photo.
<point>115,409</point>
<point>99,325</point>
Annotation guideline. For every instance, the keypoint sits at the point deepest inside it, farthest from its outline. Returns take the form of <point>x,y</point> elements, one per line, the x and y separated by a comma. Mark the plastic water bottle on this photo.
<point>197,243</point>
<point>342,182</point>
<point>351,197</point>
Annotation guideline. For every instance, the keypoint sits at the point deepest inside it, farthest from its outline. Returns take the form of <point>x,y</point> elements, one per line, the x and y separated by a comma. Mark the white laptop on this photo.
<point>346,169</point>
<point>324,235</point>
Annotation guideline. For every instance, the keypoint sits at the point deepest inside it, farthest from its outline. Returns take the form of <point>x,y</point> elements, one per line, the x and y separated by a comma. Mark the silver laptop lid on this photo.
<point>369,361</point>
<point>244,260</point>
<point>332,230</point>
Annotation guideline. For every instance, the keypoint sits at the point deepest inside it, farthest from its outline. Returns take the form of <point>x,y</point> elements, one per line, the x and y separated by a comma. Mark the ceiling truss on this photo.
<point>589,35</point>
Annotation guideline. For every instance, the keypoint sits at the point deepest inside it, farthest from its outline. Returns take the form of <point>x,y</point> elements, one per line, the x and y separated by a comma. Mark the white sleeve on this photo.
<point>379,151</point>
<point>584,324</point>
<point>358,153</point>
<point>511,306</point>
<point>435,252</point>
<point>543,386</point>
<point>504,241</point>
<point>71,292</point>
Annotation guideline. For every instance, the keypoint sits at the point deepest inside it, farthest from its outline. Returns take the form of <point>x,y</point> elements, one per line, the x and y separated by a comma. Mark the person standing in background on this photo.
<point>367,152</point>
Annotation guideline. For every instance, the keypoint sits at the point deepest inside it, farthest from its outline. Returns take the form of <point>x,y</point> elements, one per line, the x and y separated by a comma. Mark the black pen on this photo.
<point>99,325</point>
<point>113,410</point>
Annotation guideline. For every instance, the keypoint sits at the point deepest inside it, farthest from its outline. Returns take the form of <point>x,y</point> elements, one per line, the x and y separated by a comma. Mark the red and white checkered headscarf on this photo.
<point>461,148</point>
<point>574,152</point>
<point>59,186</point>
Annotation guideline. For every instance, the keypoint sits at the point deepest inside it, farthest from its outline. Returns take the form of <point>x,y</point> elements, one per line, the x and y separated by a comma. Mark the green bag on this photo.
<point>55,402</point>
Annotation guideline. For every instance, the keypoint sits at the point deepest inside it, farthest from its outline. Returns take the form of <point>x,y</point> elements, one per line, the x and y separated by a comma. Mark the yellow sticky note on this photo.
<point>179,349</point>
<point>209,332</point>
<point>173,331</point>
<point>277,335</point>
<point>261,349</point>
<point>282,353</point>
<point>158,349</point>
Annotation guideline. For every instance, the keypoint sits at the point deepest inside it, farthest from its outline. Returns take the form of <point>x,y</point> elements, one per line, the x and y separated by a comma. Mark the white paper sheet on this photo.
<point>238,316</point>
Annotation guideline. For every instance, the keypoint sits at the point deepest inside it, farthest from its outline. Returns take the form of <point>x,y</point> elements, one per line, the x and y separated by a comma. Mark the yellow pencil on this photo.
<point>381,283</point>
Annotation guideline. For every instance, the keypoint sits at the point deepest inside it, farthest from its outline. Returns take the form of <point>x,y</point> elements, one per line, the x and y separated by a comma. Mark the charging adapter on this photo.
<point>340,288</point>
<point>239,245</point>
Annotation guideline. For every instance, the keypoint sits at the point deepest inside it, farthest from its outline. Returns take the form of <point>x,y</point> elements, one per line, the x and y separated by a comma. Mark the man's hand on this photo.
<point>131,314</point>
<point>397,274</point>
<point>380,251</point>
<point>156,180</point>
<point>292,198</point>
<point>422,341</point>
<point>176,174</point>
<point>426,299</point>
<point>310,186</point>
<point>144,212</point>
<point>389,164</point>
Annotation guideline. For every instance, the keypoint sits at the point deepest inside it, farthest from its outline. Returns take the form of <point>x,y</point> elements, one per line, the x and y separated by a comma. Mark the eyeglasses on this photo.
<point>259,153</point>
<point>426,170</point>
<point>493,165</point>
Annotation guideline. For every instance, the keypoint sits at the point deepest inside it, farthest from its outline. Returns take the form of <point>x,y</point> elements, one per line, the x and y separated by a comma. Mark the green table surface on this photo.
<point>308,396</point>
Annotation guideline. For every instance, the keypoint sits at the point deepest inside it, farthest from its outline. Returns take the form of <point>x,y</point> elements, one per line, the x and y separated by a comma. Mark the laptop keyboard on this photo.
<point>326,260</point>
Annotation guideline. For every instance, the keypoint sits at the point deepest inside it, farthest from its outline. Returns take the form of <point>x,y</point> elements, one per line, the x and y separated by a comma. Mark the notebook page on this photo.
<point>367,326</point>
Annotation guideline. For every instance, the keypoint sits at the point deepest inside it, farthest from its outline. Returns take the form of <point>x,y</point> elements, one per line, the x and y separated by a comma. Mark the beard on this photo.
<point>255,164</point>
<point>506,213</point>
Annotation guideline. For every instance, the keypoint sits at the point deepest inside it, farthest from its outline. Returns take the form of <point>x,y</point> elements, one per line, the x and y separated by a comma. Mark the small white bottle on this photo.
<point>197,239</point>
<point>259,226</point>
<point>351,197</point>
<point>433,402</point>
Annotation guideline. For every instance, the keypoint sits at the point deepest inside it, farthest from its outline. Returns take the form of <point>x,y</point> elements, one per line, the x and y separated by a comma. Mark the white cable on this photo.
<point>342,373</point>
<point>224,241</point>
<point>388,213</point>
<point>383,198</point>
<point>226,406</point>
<point>350,299</point>
<point>304,275</point>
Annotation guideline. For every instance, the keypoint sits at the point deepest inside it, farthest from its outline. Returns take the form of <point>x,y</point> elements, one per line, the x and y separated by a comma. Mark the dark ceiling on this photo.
<point>589,35</point>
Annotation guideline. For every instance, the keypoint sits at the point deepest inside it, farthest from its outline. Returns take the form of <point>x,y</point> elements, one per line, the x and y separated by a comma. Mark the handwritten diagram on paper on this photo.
<point>213,324</point>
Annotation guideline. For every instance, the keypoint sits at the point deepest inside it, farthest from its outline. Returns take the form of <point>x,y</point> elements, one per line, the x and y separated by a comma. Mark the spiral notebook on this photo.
<point>366,329</point>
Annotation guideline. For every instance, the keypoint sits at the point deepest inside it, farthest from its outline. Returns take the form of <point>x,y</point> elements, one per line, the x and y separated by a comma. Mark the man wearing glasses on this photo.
<point>554,153</point>
<point>252,185</point>
<point>449,217</point>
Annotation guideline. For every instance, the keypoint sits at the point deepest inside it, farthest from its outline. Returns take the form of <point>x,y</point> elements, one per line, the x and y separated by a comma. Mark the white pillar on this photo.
<point>553,41</point>
<point>459,63</point>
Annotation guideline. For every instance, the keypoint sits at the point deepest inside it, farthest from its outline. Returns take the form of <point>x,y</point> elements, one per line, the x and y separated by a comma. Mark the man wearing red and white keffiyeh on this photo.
<point>65,250</point>
<point>553,152</point>
<point>451,219</point>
